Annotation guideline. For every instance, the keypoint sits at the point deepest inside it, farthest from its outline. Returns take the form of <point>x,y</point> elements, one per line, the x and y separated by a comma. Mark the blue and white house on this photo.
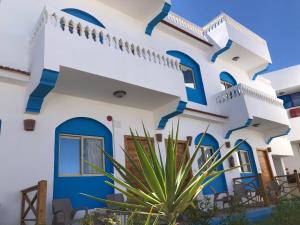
<point>86,71</point>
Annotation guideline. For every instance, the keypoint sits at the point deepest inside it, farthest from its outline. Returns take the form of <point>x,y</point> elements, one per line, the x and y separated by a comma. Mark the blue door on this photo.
<point>77,141</point>
<point>210,145</point>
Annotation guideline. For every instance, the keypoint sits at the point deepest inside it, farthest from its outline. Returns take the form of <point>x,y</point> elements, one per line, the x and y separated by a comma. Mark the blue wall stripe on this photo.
<point>261,72</point>
<point>247,124</point>
<point>285,133</point>
<point>47,83</point>
<point>180,108</point>
<point>156,20</point>
<point>83,15</point>
<point>227,47</point>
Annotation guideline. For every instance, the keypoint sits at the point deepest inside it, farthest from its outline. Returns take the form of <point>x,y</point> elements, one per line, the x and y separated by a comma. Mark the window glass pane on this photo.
<point>93,154</point>
<point>244,159</point>
<point>296,99</point>
<point>69,156</point>
<point>188,75</point>
<point>205,153</point>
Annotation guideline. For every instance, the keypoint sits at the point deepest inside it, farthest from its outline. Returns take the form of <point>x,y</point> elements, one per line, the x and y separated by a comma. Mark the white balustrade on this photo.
<point>244,90</point>
<point>66,23</point>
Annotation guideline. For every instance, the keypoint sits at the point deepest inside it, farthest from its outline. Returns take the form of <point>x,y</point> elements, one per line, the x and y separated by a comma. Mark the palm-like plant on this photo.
<point>168,188</point>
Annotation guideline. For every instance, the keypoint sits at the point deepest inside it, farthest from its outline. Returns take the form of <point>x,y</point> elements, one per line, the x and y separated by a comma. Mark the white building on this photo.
<point>286,82</point>
<point>64,64</point>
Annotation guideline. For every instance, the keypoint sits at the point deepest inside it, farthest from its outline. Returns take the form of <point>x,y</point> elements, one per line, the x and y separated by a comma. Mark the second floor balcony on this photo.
<point>248,107</point>
<point>75,57</point>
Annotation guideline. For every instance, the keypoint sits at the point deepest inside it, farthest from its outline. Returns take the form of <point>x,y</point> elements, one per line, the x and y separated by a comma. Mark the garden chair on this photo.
<point>221,197</point>
<point>64,213</point>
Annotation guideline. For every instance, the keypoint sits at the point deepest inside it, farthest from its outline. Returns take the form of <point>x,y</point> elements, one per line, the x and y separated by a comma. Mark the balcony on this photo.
<point>74,57</point>
<point>234,43</point>
<point>248,107</point>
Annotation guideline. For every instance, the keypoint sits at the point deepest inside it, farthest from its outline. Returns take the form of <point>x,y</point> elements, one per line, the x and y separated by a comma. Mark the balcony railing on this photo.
<point>242,89</point>
<point>225,18</point>
<point>78,27</point>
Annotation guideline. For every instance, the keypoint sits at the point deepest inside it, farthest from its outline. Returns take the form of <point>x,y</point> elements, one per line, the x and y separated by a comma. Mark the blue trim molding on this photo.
<point>197,94</point>
<point>179,110</point>
<point>219,185</point>
<point>222,50</point>
<point>84,16</point>
<point>70,186</point>
<point>156,20</point>
<point>247,124</point>
<point>228,78</point>
<point>285,133</point>
<point>261,72</point>
<point>46,84</point>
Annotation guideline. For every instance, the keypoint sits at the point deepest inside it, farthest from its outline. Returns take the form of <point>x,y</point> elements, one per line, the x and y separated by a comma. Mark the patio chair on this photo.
<point>222,197</point>
<point>64,213</point>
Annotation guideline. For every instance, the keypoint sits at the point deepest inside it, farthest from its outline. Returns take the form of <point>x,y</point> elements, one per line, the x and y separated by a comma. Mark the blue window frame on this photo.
<point>246,155</point>
<point>77,140</point>
<point>210,145</point>
<point>192,77</point>
<point>291,100</point>
<point>227,80</point>
<point>84,16</point>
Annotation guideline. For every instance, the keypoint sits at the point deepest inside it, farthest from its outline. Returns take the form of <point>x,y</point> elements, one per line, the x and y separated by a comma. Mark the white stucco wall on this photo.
<point>293,162</point>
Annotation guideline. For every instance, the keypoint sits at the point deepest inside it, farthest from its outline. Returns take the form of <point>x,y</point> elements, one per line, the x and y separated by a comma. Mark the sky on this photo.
<point>277,21</point>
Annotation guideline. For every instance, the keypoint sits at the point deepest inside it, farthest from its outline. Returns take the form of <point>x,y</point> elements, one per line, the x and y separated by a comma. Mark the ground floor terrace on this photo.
<point>53,145</point>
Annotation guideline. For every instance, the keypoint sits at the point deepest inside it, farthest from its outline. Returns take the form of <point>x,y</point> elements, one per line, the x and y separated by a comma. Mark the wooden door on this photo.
<point>130,148</point>
<point>266,170</point>
<point>181,148</point>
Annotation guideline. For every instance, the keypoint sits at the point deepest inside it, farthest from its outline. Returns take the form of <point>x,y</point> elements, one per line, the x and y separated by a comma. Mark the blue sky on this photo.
<point>277,21</point>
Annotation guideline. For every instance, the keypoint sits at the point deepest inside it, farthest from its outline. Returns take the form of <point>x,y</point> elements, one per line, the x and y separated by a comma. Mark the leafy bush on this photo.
<point>286,213</point>
<point>99,217</point>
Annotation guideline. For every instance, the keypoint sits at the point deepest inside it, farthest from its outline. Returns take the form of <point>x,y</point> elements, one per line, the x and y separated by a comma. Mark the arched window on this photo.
<point>192,77</point>
<point>246,158</point>
<point>208,147</point>
<point>84,16</point>
<point>76,141</point>
<point>227,80</point>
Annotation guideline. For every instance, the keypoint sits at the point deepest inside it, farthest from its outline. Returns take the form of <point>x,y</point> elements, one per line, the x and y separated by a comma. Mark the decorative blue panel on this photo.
<point>247,124</point>
<point>261,72</point>
<point>216,55</point>
<point>219,185</point>
<point>180,108</point>
<point>283,134</point>
<point>70,187</point>
<point>197,94</point>
<point>84,16</point>
<point>156,20</point>
<point>46,84</point>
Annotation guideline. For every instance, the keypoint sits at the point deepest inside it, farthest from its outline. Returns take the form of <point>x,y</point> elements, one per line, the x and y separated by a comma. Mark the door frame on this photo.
<point>268,160</point>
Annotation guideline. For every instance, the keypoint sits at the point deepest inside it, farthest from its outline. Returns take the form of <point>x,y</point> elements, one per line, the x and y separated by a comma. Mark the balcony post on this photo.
<point>263,191</point>
<point>41,202</point>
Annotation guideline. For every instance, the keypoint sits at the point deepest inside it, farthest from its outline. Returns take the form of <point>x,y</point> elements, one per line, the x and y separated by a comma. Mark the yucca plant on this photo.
<point>168,189</point>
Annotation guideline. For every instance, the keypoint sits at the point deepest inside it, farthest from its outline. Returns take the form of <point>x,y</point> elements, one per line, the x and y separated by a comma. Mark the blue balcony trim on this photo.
<point>180,108</point>
<point>156,20</point>
<point>227,47</point>
<point>285,133</point>
<point>227,77</point>
<point>46,84</point>
<point>247,124</point>
<point>84,16</point>
<point>261,72</point>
